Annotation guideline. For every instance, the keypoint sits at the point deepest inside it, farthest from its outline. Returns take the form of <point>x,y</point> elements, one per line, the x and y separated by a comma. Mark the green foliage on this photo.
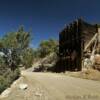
<point>27,58</point>
<point>19,39</point>
<point>47,46</point>
<point>17,42</point>
<point>15,46</point>
<point>15,60</point>
<point>7,78</point>
<point>12,75</point>
<point>23,38</point>
<point>3,83</point>
<point>6,75</point>
<point>9,40</point>
<point>3,66</point>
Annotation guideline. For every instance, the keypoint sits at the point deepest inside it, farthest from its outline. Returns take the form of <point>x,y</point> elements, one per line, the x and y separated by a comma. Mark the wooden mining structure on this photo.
<point>72,41</point>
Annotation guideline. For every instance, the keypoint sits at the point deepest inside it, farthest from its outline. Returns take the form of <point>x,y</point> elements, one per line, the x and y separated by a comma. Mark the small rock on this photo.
<point>23,86</point>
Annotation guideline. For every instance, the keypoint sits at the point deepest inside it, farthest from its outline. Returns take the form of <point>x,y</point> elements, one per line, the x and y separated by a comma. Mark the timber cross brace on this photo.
<point>72,41</point>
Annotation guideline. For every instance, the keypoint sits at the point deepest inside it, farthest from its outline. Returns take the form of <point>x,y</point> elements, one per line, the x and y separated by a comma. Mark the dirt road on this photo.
<point>48,86</point>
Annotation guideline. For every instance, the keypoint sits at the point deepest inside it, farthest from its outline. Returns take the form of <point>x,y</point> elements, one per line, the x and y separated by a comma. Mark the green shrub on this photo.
<point>7,78</point>
<point>47,46</point>
<point>16,74</point>
<point>12,75</point>
<point>27,58</point>
<point>15,46</point>
<point>3,83</point>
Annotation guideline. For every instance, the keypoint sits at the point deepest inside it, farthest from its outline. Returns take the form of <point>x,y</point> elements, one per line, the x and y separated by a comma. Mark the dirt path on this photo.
<point>48,86</point>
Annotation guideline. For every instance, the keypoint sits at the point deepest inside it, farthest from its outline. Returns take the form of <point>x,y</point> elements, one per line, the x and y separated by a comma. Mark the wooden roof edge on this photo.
<point>78,20</point>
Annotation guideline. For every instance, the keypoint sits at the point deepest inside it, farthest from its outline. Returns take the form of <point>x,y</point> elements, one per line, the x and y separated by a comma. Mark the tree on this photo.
<point>19,39</point>
<point>14,50</point>
<point>47,46</point>
<point>15,44</point>
<point>23,38</point>
<point>27,58</point>
<point>9,40</point>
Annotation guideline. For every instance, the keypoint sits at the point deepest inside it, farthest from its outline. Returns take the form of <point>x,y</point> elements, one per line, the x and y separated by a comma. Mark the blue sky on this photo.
<point>45,17</point>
